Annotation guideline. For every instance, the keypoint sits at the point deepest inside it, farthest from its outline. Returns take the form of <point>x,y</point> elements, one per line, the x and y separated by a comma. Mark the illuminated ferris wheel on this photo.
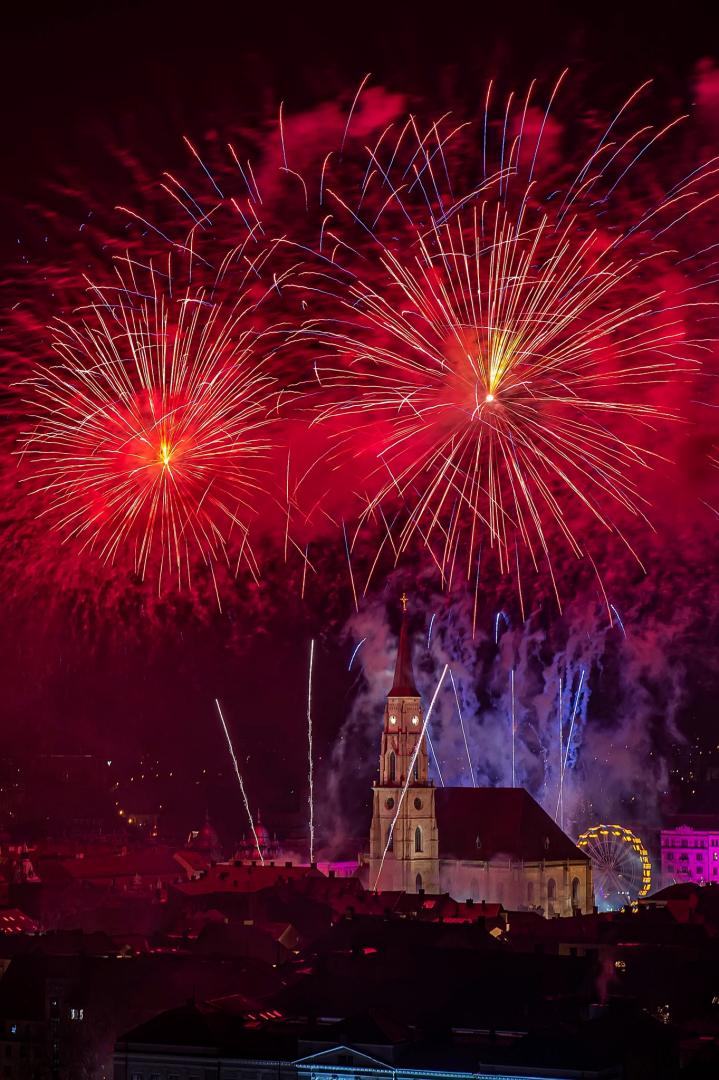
<point>621,869</point>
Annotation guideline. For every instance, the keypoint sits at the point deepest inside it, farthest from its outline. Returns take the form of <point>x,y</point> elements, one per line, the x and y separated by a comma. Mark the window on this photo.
<point>137,1076</point>
<point>416,770</point>
<point>390,839</point>
<point>575,892</point>
<point>418,839</point>
<point>392,766</point>
<point>551,889</point>
<point>418,804</point>
<point>389,803</point>
<point>670,856</point>
<point>418,883</point>
<point>700,857</point>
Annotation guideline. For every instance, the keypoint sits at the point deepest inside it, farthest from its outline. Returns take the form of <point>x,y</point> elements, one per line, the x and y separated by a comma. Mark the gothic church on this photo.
<point>492,844</point>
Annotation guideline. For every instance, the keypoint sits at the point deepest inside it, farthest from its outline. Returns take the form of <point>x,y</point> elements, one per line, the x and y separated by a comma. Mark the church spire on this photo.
<point>403,684</point>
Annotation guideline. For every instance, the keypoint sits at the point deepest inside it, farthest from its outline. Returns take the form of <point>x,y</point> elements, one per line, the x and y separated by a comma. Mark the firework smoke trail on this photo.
<point>239,778</point>
<point>503,342</point>
<point>310,756</point>
<point>150,435</point>
<point>429,630</point>
<point>464,733</point>
<point>410,771</point>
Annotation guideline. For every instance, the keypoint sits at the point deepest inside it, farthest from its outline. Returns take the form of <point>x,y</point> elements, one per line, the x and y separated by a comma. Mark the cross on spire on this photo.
<point>404,600</point>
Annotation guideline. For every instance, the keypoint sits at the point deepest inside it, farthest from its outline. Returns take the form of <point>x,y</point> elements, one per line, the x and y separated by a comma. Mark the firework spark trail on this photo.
<point>464,733</point>
<point>410,772</point>
<point>436,759</point>
<point>619,619</point>
<point>239,778</point>
<point>311,795</point>
<point>498,616</point>
<point>569,742</point>
<point>429,631</point>
<point>356,649</point>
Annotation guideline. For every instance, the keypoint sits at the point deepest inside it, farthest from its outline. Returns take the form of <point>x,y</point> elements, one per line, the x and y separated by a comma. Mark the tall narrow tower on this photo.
<point>411,862</point>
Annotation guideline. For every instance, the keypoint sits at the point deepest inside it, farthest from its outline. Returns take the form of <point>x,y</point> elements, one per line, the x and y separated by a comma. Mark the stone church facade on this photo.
<point>492,844</point>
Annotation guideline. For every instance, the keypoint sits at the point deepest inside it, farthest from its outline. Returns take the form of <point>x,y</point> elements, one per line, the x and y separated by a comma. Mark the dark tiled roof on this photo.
<point>481,823</point>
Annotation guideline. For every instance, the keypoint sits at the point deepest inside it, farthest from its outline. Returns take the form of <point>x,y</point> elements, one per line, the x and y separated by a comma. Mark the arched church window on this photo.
<point>575,892</point>
<point>392,766</point>
<point>390,840</point>
<point>418,804</point>
<point>551,889</point>
<point>418,839</point>
<point>478,842</point>
<point>416,770</point>
<point>418,883</point>
<point>389,803</point>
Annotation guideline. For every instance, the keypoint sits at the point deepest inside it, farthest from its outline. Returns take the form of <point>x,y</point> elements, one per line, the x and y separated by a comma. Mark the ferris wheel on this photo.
<point>621,869</point>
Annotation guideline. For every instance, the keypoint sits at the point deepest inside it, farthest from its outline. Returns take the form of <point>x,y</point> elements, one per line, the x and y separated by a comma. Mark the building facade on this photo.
<point>203,1042</point>
<point>492,844</point>
<point>690,852</point>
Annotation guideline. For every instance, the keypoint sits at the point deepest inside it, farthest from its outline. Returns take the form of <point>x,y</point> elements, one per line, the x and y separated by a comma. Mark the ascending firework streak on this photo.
<point>560,799</point>
<point>356,649</point>
<point>239,777</point>
<point>410,773</point>
<point>436,759</point>
<point>513,733</point>
<point>311,795</point>
<point>464,733</point>
<point>560,778</point>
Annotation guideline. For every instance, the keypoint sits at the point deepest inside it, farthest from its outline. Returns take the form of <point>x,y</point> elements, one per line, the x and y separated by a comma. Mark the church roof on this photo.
<point>403,684</point>
<point>480,823</point>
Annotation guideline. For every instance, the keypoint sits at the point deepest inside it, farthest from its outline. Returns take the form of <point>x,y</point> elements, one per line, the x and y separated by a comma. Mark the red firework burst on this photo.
<point>151,432</point>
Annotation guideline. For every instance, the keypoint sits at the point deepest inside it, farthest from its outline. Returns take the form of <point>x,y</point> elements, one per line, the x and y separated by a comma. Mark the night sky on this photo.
<point>97,104</point>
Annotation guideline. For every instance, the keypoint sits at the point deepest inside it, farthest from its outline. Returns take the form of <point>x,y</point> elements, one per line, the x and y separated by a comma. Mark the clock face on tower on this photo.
<point>415,720</point>
<point>393,719</point>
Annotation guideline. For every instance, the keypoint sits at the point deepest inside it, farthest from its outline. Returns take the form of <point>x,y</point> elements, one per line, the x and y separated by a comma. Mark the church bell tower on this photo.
<point>403,813</point>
